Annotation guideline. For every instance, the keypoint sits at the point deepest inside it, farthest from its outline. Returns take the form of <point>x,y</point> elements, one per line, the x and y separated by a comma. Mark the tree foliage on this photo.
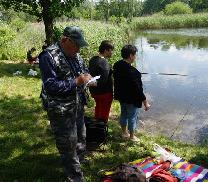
<point>56,8</point>
<point>199,5</point>
<point>154,6</point>
<point>119,8</point>
<point>177,8</point>
<point>46,10</point>
<point>85,10</point>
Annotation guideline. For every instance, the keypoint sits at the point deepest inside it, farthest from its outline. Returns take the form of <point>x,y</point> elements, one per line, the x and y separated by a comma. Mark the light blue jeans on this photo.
<point>129,116</point>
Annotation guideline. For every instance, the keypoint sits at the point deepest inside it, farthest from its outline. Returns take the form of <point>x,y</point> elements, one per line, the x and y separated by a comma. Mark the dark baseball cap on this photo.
<point>76,34</point>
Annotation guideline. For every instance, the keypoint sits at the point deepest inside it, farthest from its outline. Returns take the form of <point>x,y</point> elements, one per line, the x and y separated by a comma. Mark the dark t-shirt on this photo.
<point>100,66</point>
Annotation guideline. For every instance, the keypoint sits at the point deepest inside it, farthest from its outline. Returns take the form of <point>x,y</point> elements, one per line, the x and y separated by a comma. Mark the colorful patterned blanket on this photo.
<point>192,172</point>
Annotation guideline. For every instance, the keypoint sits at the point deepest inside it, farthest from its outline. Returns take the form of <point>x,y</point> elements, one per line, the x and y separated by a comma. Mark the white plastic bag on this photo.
<point>92,80</point>
<point>164,154</point>
<point>17,73</point>
<point>32,72</point>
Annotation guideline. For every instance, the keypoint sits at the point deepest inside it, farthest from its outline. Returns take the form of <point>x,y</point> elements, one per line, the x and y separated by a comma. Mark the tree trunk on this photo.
<point>48,21</point>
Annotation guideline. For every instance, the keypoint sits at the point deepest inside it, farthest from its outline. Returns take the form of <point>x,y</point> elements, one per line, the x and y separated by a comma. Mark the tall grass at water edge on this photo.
<point>173,22</point>
<point>14,43</point>
<point>96,32</point>
<point>32,35</point>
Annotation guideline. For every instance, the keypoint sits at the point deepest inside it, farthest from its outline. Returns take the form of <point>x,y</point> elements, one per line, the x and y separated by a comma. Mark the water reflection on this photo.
<point>179,103</point>
<point>182,38</point>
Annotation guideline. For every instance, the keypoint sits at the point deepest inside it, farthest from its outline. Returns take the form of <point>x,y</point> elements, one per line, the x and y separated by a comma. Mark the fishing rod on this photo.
<point>144,73</point>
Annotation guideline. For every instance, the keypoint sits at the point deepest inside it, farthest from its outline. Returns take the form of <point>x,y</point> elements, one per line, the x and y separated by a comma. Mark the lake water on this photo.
<point>180,100</point>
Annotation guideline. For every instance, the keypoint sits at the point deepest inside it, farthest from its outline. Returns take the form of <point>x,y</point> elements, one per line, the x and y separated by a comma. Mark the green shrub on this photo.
<point>113,19</point>
<point>17,43</point>
<point>103,31</point>
<point>177,8</point>
<point>17,24</point>
<point>32,35</point>
<point>158,14</point>
<point>116,20</point>
<point>6,34</point>
<point>57,32</point>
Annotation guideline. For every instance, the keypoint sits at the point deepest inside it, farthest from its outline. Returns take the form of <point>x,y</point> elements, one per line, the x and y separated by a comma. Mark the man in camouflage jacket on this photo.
<point>64,76</point>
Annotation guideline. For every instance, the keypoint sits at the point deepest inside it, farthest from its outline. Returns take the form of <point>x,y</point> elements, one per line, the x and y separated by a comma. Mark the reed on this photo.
<point>32,35</point>
<point>173,22</point>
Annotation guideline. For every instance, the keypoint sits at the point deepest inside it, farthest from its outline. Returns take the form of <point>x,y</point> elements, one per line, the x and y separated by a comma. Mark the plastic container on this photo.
<point>164,154</point>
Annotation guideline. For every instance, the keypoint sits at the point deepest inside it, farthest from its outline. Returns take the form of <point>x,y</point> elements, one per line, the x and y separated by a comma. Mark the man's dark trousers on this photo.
<point>69,129</point>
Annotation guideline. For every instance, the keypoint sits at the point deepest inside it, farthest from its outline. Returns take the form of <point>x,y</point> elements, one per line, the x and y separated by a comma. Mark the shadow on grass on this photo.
<point>116,151</point>
<point>200,159</point>
<point>42,168</point>
<point>27,148</point>
<point>8,68</point>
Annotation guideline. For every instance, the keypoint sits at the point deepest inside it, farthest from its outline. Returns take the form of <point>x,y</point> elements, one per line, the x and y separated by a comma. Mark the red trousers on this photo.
<point>103,105</point>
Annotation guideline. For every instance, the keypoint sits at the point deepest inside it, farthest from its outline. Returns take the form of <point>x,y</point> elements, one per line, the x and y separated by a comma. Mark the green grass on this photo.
<point>95,32</point>
<point>32,35</point>
<point>176,21</point>
<point>27,146</point>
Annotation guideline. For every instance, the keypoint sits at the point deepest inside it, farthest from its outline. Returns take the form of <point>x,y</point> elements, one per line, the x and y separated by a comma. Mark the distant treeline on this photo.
<point>121,10</point>
<point>115,10</point>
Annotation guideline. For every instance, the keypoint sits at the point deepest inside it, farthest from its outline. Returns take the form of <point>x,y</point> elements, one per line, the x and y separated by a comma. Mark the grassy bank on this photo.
<point>28,151</point>
<point>173,22</point>
<point>32,35</point>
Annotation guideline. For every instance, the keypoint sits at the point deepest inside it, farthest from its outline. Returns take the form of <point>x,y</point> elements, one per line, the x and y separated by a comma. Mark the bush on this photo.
<point>6,35</point>
<point>18,43</point>
<point>117,20</point>
<point>103,31</point>
<point>158,14</point>
<point>17,24</point>
<point>15,44</point>
<point>177,8</point>
<point>113,19</point>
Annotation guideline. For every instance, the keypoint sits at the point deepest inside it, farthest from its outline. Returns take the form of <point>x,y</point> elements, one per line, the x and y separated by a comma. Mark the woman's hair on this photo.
<point>33,49</point>
<point>105,45</point>
<point>127,50</point>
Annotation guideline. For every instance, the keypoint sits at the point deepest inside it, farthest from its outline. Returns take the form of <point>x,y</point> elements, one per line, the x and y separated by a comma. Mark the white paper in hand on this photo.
<point>94,79</point>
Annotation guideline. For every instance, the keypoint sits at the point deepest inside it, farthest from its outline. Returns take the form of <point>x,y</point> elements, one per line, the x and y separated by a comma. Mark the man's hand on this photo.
<point>83,79</point>
<point>93,81</point>
<point>92,84</point>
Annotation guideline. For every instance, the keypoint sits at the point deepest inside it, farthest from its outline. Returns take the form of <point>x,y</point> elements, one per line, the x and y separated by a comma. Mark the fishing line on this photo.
<point>185,114</point>
<point>142,59</point>
<point>169,74</point>
<point>180,121</point>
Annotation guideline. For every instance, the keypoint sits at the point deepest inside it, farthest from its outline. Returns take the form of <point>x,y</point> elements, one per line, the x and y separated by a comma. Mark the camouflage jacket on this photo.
<point>66,70</point>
